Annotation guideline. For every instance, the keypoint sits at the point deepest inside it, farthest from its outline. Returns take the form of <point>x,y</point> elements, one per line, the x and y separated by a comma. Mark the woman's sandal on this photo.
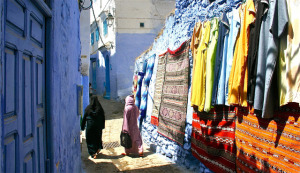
<point>141,154</point>
<point>124,154</point>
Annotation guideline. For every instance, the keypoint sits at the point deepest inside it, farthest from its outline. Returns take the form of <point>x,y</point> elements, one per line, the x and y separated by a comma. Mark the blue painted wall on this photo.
<point>178,28</point>
<point>128,47</point>
<point>61,80</point>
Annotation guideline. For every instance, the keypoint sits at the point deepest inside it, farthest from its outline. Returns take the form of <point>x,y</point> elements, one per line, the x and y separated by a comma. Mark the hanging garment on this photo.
<point>210,63</point>
<point>196,37</point>
<point>199,75</point>
<point>213,138</point>
<point>131,113</point>
<point>145,86</point>
<point>195,42</point>
<point>139,89</point>
<point>220,61</point>
<point>172,112</point>
<point>289,58</point>
<point>235,23</point>
<point>268,145</point>
<point>94,119</point>
<point>261,9</point>
<point>266,82</point>
<point>135,81</point>
<point>237,84</point>
<point>150,100</point>
<point>160,77</point>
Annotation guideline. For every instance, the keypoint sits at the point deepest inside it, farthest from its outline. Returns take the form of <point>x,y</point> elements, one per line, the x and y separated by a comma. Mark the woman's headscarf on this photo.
<point>129,100</point>
<point>95,105</point>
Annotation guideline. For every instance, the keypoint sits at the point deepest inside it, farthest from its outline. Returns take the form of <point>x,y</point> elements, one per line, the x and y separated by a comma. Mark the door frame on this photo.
<point>2,38</point>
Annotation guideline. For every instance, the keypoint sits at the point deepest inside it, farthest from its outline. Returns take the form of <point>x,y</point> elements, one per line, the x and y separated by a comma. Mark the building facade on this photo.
<point>135,25</point>
<point>85,52</point>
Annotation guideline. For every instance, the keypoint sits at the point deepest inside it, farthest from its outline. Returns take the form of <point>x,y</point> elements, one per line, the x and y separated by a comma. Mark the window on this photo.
<point>97,34</point>
<point>105,27</point>
<point>142,25</point>
<point>92,39</point>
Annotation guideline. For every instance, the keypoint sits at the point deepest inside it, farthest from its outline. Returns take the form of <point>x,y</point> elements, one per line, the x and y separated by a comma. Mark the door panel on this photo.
<point>24,88</point>
<point>27,96</point>
<point>10,59</point>
<point>11,152</point>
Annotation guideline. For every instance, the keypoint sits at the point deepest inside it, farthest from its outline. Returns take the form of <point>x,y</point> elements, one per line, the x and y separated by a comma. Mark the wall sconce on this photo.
<point>110,19</point>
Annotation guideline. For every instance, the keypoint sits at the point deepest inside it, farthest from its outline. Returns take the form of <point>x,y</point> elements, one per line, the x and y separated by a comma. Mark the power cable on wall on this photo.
<point>81,5</point>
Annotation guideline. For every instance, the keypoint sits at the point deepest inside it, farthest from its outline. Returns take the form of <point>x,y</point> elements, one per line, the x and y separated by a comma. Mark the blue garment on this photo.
<point>234,21</point>
<point>273,26</point>
<point>139,87</point>
<point>151,88</point>
<point>222,42</point>
<point>145,86</point>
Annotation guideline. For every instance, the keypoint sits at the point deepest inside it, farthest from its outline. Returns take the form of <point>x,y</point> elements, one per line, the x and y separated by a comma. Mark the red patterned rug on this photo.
<point>174,97</point>
<point>213,138</point>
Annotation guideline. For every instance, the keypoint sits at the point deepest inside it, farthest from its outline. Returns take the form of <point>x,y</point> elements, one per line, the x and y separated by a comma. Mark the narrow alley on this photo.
<point>212,85</point>
<point>110,158</point>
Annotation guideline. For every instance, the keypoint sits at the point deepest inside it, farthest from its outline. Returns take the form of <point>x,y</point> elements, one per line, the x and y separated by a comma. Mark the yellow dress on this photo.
<point>237,84</point>
<point>198,83</point>
<point>194,47</point>
<point>289,57</point>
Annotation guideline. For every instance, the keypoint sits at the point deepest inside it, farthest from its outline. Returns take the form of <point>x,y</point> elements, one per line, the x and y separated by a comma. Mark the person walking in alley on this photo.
<point>131,113</point>
<point>94,119</point>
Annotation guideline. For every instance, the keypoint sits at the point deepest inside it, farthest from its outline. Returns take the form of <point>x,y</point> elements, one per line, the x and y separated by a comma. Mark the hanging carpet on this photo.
<point>160,76</point>
<point>268,145</point>
<point>174,97</point>
<point>213,138</point>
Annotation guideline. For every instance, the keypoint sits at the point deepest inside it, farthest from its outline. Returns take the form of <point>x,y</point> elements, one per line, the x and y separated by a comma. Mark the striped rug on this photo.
<point>268,145</point>
<point>213,138</point>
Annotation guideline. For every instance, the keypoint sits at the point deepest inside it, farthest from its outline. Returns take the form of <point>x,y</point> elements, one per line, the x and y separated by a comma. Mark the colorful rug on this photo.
<point>268,145</point>
<point>160,76</point>
<point>174,97</point>
<point>213,138</point>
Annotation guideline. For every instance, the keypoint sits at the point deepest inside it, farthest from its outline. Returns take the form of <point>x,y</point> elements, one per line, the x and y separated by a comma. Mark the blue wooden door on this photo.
<point>107,78</point>
<point>24,118</point>
<point>94,75</point>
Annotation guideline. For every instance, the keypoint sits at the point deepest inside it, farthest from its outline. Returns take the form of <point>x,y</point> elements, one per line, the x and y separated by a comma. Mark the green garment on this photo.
<point>210,62</point>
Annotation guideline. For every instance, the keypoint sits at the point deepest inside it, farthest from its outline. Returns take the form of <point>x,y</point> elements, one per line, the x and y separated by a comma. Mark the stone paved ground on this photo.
<point>111,160</point>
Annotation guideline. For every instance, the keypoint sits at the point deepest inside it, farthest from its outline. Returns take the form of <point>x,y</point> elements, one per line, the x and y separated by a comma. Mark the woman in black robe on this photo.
<point>95,122</point>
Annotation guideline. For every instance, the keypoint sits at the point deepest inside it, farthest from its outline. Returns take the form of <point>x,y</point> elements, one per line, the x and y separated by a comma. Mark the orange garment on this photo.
<point>237,84</point>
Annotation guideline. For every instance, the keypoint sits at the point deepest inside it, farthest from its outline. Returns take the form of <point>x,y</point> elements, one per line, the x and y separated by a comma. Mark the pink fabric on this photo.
<point>131,113</point>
